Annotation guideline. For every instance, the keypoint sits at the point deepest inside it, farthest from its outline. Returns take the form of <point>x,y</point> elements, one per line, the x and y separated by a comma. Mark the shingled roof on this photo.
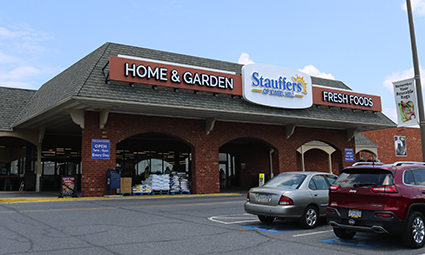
<point>13,101</point>
<point>84,82</point>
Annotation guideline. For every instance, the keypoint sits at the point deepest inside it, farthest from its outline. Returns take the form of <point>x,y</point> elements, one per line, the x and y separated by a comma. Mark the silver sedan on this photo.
<point>299,195</point>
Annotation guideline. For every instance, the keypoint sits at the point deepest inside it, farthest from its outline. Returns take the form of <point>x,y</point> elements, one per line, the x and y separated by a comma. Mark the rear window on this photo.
<point>364,178</point>
<point>287,181</point>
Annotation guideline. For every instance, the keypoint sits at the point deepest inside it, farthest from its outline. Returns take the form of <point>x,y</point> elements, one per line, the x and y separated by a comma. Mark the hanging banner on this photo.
<point>406,102</point>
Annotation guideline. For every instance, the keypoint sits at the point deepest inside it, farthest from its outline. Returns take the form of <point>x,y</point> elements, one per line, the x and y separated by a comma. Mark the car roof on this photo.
<point>396,166</point>
<point>306,173</point>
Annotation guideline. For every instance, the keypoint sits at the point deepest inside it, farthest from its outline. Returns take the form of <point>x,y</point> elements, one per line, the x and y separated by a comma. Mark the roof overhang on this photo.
<point>58,120</point>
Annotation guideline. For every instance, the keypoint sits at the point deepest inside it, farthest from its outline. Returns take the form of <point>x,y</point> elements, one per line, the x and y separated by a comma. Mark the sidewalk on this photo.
<point>32,196</point>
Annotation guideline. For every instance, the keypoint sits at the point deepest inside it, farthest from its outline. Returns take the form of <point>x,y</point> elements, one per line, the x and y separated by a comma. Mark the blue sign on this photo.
<point>349,155</point>
<point>100,148</point>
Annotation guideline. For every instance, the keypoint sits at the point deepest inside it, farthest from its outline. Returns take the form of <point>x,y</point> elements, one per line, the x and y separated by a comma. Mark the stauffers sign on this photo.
<point>346,99</point>
<point>182,77</point>
<point>276,86</point>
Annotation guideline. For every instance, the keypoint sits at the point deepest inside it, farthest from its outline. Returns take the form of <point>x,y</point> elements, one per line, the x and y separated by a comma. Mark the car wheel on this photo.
<point>310,217</point>
<point>266,219</point>
<point>344,233</point>
<point>414,235</point>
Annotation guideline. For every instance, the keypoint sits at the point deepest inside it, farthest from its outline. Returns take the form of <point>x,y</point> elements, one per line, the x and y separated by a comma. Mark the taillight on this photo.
<point>384,189</point>
<point>285,201</point>
<point>247,197</point>
<point>330,210</point>
<point>384,215</point>
<point>333,187</point>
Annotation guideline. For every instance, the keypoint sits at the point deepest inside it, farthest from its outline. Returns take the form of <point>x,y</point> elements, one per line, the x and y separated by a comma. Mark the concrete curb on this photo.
<point>39,199</point>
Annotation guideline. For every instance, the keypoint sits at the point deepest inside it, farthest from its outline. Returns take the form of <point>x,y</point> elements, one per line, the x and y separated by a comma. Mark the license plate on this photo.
<point>263,198</point>
<point>354,213</point>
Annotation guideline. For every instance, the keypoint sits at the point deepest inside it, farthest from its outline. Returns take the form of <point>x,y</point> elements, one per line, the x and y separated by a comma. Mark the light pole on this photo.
<point>417,77</point>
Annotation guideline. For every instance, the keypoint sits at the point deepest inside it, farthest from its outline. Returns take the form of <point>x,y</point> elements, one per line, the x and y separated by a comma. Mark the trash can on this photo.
<point>113,180</point>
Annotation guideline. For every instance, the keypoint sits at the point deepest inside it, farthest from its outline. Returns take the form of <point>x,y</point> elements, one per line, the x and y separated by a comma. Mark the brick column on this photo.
<point>205,169</point>
<point>93,174</point>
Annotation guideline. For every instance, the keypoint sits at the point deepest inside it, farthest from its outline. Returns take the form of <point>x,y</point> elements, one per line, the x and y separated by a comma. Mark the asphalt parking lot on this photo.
<point>192,224</point>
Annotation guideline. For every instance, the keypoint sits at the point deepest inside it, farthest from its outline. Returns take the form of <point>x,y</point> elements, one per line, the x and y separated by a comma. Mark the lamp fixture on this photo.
<point>154,87</point>
<point>196,92</point>
<point>131,84</point>
<point>176,90</point>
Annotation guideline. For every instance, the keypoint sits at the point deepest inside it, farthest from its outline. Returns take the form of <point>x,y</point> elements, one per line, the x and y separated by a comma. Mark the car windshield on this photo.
<point>364,178</point>
<point>287,181</point>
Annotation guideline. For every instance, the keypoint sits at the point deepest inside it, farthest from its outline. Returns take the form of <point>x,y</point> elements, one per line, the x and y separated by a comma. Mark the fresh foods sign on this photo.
<point>346,99</point>
<point>183,77</point>
<point>276,86</point>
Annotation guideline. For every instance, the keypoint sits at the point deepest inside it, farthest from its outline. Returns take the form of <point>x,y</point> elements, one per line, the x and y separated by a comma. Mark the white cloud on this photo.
<point>313,71</point>
<point>21,48</point>
<point>22,39</point>
<point>418,7</point>
<point>244,59</point>
<point>17,84</point>
<point>8,59</point>
<point>398,76</point>
<point>391,113</point>
<point>20,73</point>
<point>5,33</point>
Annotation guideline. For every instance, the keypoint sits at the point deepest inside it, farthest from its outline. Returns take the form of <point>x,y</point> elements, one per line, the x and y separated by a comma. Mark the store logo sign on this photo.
<point>159,73</point>
<point>276,86</point>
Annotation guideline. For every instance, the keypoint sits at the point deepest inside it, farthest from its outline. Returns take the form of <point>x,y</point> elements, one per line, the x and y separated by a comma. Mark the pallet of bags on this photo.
<point>141,189</point>
<point>159,182</point>
<point>174,183</point>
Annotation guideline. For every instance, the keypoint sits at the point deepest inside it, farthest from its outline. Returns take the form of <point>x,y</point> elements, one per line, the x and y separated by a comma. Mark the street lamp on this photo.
<point>417,77</point>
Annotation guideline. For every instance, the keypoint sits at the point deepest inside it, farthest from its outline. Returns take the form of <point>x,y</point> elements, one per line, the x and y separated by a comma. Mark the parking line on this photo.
<point>312,233</point>
<point>233,219</point>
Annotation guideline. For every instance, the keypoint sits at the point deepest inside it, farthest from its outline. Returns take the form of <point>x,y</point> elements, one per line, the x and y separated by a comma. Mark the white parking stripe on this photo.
<point>234,219</point>
<point>312,233</point>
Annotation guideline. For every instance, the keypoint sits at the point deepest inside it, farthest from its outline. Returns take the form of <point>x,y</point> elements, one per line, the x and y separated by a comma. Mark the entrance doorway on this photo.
<point>228,171</point>
<point>143,155</point>
<point>16,164</point>
<point>243,160</point>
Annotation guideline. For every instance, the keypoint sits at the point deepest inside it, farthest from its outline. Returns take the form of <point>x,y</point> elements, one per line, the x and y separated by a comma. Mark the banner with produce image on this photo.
<point>406,102</point>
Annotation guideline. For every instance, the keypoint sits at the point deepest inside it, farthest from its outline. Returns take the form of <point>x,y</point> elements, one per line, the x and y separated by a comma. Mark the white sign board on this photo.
<point>276,86</point>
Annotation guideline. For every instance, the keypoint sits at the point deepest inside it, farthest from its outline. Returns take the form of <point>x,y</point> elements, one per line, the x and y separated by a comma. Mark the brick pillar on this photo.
<point>205,169</point>
<point>93,174</point>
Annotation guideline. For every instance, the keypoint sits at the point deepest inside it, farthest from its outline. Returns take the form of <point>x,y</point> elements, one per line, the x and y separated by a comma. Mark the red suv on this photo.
<point>380,198</point>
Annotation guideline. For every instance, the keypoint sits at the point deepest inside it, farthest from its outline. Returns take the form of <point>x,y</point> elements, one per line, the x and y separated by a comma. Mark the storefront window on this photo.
<point>136,163</point>
<point>48,168</point>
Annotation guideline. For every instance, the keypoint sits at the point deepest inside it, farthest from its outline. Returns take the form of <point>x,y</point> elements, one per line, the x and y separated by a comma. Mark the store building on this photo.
<point>139,109</point>
<point>395,144</point>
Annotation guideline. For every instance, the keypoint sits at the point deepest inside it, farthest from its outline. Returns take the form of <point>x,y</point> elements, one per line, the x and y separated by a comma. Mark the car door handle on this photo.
<point>423,191</point>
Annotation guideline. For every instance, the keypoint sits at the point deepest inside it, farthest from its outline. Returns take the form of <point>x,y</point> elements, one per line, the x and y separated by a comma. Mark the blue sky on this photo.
<point>363,43</point>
